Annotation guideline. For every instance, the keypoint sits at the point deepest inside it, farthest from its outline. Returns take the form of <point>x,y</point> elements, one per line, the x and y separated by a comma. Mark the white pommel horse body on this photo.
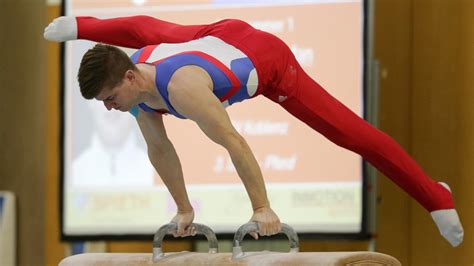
<point>237,257</point>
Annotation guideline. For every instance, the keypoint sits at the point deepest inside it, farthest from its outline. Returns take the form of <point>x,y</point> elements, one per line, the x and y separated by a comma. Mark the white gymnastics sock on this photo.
<point>448,223</point>
<point>61,29</point>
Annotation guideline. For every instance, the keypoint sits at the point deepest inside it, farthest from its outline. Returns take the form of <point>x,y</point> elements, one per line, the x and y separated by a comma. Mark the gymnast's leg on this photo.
<point>132,32</point>
<point>309,102</point>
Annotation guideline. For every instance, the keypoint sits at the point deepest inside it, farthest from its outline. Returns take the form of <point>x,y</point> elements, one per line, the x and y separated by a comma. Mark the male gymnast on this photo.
<point>195,71</point>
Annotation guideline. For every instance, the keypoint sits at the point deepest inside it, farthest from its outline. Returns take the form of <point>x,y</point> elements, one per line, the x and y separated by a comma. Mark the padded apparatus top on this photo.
<point>252,258</point>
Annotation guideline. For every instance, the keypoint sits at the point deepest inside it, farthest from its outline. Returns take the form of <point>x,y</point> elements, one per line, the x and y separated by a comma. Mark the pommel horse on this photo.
<point>237,258</point>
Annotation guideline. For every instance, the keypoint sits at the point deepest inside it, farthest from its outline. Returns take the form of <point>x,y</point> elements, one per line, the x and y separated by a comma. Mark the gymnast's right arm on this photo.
<point>132,32</point>
<point>166,162</point>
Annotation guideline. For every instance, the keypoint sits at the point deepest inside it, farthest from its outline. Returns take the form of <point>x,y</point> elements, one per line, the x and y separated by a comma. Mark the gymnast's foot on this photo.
<point>448,223</point>
<point>61,29</point>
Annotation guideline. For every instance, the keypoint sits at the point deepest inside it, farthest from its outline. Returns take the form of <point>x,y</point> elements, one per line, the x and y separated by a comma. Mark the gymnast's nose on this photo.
<point>109,106</point>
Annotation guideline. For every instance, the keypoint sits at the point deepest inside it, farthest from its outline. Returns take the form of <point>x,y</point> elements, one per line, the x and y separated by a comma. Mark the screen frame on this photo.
<point>368,208</point>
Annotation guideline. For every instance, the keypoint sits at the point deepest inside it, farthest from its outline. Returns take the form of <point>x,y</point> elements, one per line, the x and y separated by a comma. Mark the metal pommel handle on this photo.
<point>168,229</point>
<point>252,227</point>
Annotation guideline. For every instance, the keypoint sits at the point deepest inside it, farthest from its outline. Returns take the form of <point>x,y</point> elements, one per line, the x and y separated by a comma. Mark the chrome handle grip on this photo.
<point>251,227</point>
<point>171,227</point>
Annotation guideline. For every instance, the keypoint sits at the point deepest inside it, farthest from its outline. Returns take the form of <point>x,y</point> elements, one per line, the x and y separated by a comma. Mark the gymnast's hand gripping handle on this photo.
<point>168,229</point>
<point>252,226</point>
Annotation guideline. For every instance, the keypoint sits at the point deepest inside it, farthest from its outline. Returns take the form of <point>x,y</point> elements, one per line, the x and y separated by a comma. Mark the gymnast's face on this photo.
<point>121,97</point>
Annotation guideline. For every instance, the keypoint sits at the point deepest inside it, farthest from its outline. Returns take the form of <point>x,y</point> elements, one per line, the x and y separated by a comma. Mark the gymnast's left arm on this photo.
<point>193,98</point>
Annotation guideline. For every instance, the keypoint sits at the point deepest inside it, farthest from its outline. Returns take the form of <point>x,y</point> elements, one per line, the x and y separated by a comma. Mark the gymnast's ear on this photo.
<point>130,75</point>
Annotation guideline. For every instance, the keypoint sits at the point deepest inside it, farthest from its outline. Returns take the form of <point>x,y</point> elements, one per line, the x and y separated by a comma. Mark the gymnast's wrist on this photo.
<point>185,209</point>
<point>261,207</point>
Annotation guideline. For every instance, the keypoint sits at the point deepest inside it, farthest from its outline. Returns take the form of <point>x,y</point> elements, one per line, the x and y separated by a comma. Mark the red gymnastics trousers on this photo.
<point>279,74</point>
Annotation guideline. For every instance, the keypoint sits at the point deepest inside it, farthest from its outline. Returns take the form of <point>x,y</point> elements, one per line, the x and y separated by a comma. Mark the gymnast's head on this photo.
<point>107,74</point>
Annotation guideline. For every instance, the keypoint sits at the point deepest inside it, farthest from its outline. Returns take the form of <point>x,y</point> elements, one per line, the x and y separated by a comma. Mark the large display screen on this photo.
<point>110,187</point>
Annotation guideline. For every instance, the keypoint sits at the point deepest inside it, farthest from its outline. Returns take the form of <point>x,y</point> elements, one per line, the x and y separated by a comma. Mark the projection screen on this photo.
<point>110,188</point>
